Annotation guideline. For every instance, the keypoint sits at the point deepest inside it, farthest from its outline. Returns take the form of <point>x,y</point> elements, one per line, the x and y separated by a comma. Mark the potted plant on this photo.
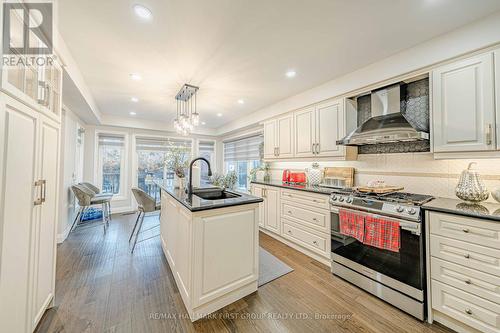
<point>177,161</point>
<point>225,181</point>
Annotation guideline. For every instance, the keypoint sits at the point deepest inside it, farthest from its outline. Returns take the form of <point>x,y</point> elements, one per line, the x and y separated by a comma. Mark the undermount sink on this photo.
<point>215,194</point>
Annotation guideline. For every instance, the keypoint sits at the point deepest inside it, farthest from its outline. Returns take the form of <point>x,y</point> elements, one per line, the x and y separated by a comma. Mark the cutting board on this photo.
<point>380,190</point>
<point>346,173</point>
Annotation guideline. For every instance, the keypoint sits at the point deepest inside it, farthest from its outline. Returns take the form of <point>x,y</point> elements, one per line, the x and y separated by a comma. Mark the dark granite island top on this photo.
<point>484,210</point>
<point>195,203</point>
<point>307,188</point>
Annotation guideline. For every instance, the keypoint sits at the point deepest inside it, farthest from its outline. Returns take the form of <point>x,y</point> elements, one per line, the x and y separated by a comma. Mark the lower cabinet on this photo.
<point>297,218</point>
<point>29,182</point>
<point>464,272</point>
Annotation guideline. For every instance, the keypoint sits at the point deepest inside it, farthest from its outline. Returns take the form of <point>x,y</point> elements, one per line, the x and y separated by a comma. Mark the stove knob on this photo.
<point>348,200</point>
<point>334,197</point>
<point>411,211</point>
<point>400,209</point>
<point>341,199</point>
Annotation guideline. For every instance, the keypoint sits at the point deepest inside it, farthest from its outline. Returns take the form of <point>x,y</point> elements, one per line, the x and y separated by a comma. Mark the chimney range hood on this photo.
<point>387,123</point>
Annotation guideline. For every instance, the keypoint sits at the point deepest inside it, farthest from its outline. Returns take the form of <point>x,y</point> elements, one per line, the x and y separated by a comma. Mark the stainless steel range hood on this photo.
<point>387,123</point>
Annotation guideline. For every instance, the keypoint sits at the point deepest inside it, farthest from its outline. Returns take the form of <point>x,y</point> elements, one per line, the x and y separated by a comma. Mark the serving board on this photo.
<point>380,190</point>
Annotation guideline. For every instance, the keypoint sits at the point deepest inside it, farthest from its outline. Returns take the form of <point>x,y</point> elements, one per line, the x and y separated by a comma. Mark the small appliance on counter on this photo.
<point>297,178</point>
<point>286,176</point>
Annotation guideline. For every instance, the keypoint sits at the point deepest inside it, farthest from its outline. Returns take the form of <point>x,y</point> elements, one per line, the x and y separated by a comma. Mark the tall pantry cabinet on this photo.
<point>30,109</point>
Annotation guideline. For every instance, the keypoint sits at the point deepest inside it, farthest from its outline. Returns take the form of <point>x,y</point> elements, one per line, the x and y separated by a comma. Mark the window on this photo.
<point>151,156</point>
<point>206,149</point>
<point>241,156</point>
<point>111,159</point>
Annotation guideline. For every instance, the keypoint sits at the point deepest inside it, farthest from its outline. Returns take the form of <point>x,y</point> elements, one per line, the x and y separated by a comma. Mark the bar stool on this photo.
<point>86,198</point>
<point>98,193</point>
<point>145,204</point>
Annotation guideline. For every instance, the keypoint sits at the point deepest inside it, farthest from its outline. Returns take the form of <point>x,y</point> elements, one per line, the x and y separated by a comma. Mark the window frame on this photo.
<point>122,195</point>
<point>213,162</point>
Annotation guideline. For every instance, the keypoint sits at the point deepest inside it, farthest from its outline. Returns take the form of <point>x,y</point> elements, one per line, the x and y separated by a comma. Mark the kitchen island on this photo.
<point>211,244</point>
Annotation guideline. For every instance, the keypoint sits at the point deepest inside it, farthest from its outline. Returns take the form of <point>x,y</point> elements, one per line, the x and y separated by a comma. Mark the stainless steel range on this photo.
<point>396,277</point>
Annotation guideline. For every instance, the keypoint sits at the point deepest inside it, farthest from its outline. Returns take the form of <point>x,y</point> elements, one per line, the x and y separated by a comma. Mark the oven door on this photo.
<point>404,268</point>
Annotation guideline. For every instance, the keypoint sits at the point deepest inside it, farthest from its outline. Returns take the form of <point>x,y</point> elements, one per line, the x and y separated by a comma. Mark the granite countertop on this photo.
<point>307,188</point>
<point>485,210</point>
<point>195,203</point>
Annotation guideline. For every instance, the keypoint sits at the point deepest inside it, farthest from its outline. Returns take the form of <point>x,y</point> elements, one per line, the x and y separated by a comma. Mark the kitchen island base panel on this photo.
<point>213,254</point>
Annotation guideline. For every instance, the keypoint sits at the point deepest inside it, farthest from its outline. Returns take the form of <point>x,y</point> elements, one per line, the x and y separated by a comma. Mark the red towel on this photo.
<point>352,224</point>
<point>382,233</point>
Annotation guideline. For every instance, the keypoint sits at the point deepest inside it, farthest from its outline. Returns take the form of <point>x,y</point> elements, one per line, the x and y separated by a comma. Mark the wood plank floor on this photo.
<point>101,287</point>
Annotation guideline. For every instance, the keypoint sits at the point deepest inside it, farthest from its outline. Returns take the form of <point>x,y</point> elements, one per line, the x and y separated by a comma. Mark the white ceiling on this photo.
<point>240,49</point>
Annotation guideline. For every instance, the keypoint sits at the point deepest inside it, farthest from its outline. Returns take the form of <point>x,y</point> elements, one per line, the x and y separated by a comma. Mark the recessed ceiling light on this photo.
<point>135,77</point>
<point>142,12</point>
<point>219,114</point>
<point>132,113</point>
<point>240,101</point>
<point>134,99</point>
<point>291,73</point>
<point>203,123</point>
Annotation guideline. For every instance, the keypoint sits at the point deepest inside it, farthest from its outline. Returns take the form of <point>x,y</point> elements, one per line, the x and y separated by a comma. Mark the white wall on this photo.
<point>126,204</point>
<point>67,211</point>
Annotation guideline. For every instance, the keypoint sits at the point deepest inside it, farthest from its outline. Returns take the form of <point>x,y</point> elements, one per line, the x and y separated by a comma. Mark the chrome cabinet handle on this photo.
<point>278,149</point>
<point>489,136</point>
<point>466,230</point>
<point>312,148</point>
<point>468,311</point>
<point>317,149</point>
<point>466,256</point>
<point>44,185</point>
<point>41,198</point>
<point>468,281</point>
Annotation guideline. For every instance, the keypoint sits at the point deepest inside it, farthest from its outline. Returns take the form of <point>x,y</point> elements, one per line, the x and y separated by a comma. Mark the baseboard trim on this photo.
<point>62,236</point>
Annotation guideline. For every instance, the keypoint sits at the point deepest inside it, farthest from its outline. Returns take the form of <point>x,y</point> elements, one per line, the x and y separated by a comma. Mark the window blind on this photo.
<point>111,140</point>
<point>206,147</point>
<point>161,144</point>
<point>243,149</point>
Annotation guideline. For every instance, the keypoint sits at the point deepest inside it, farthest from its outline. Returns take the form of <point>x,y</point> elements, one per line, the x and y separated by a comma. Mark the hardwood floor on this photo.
<point>101,287</point>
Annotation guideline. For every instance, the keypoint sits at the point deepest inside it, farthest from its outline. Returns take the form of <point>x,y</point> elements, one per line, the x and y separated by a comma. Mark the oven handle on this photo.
<point>413,227</point>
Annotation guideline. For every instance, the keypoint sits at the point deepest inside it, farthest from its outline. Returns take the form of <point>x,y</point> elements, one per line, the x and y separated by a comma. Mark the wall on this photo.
<point>417,172</point>
<point>69,172</point>
<point>127,204</point>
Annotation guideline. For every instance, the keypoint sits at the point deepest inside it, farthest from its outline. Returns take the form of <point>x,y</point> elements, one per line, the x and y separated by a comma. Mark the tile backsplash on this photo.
<point>417,172</point>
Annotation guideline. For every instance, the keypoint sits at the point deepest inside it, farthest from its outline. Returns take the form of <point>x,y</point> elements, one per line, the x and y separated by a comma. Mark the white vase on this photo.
<point>176,181</point>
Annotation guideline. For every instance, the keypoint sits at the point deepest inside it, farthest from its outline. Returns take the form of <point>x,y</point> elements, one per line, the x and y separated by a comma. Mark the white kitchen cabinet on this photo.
<point>497,95</point>
<point>317,129</point>
<point>463,105</point>
<point>278,137</point>
<point>258,191</point>
<point>29,196</point>
<point>269,217</point>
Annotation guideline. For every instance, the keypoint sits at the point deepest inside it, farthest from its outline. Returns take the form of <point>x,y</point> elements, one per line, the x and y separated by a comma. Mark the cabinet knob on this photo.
<point>315,200</point>
<point>468,281</point>
<point>289,231</point>
<point>467,256</point>
<point>315,242</point>
<point>466,230</point>
<point>315,219</point>
<point>468,311</point>
<point>290,212</point>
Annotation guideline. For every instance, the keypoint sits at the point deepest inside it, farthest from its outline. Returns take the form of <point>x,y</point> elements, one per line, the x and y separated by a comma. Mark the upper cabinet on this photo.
<point>278,138</point>
<point>317,129</point>
<point>497,95</point>
<point>463,105</point>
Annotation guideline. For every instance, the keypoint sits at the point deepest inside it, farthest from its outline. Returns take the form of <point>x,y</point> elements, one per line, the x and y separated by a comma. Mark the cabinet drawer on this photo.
<point>469,309</point>
<point>470,255</point>
<point>468,229</point>
<point>314,219</point>
<point>305,238</point>
<point>310,199</point>
<point>469,280</point>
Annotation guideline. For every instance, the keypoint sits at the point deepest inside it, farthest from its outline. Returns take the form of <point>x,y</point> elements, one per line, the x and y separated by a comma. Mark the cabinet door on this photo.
<point>329,128</point>
<point>270,139</point>
<point>497,95</point>
<point>44,282</point>
<point>258,191</point>
<point>305,132</point>
<point>272,218</point>
<point>285,136</point>
<point>463,105</point>
<point>19,125</point>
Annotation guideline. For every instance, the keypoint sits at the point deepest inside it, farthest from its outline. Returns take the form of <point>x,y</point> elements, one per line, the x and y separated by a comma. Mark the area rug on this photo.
<point>270,267</point>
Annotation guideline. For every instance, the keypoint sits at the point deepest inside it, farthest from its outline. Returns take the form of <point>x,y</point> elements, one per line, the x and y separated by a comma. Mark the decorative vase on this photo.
<point>260,175</point>
<point>496,194</point>
<point>470,186</point>
<point>314,174</point>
